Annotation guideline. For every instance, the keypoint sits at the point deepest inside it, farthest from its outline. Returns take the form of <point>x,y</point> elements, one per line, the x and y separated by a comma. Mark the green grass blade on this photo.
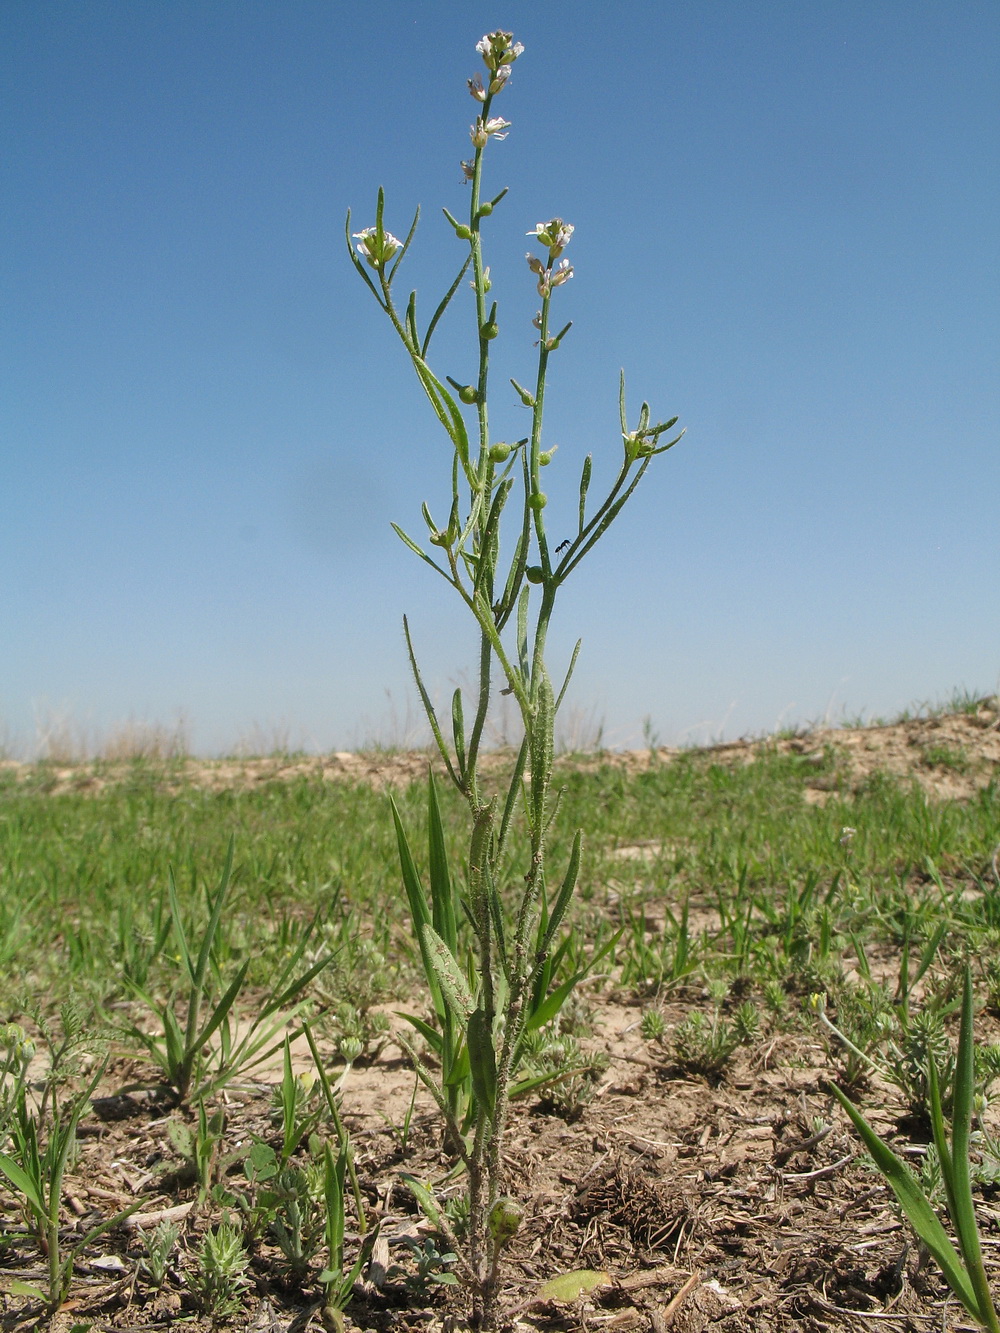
<point>222,1009</point>
<point>963,1209</point>
<point>178,923</point>
<point>211,930</point>
<point>915,1205</point>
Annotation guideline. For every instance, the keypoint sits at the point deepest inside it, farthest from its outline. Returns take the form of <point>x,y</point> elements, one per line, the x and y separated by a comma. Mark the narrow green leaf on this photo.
<point>522,632</point>
<point>552,1003</point>
<point>21,1180</point>
<point>444,306</point>
<point>222,1009</point>
<point>424,1197</point>
<point>430,1034</point>
<point>442,893</point>
<point>569,1287</point>
<point>566,891</point>
<point>18,1288</point>
<point>358,264</point>
<point>915,1205</point>
<point>420,913</point>
<point>429,710</point>
<point>211,930</point>
<point>963,1209</point>
<point>588,463</point>
<point>403,249</point>
<point>483,1061</point>
<point>453,984</point>
<point>569,674</point>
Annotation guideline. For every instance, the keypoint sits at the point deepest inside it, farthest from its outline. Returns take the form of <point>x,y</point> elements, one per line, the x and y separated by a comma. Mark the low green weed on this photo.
<point>201,1147</point>
<point>651,962</point>
<point>963,1268</point>
<point>159,1245</point>
<point>40,1151</point>
<point>219,1281</point>
<point>192,1064</point>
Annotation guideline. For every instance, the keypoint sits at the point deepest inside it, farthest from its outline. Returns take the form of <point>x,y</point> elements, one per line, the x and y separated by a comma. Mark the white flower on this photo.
<point>476,88</point>
<point>499,79</point>
<point>368,246</point>
<point>483,130</point>
<point>561,273</point>
<point>555,234</point>
<point>534,263</point>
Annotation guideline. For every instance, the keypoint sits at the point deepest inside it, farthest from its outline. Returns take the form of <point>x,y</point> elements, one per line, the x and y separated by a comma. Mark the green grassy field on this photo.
<point>727,890</point>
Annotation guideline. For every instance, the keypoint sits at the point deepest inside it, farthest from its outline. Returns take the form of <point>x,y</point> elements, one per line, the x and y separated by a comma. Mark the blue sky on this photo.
<point>785,232</point>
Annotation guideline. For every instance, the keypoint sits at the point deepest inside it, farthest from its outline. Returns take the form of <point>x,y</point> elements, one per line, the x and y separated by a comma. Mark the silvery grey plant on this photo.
<point>487,995</point>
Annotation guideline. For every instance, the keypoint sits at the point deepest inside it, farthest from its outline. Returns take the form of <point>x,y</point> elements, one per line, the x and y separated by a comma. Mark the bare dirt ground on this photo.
<point>743,1205</point>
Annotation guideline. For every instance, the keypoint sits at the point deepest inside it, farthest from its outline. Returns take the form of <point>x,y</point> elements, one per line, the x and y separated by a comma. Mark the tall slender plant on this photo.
<point>488,994</point>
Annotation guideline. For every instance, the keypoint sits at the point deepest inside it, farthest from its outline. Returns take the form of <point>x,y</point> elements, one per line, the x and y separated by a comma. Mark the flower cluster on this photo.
<point>378,248</point>
<point>499,49</point>
<point>549,277</point>
<point>555,234</point>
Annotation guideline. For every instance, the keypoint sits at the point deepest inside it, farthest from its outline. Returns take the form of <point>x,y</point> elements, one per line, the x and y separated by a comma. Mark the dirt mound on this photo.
<point>951,755</point>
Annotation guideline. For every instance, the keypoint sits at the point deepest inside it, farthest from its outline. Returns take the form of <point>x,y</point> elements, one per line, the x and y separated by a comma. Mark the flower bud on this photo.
<point>505,1220</point>
<point>534,574</point>
<point>350,1048</point>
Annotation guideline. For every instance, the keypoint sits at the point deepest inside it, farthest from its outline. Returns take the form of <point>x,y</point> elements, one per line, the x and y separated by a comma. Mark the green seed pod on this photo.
<point>485,209</point>
<point>463,233</point>
<point>538,500</point>
<point>528,399</point>
<point>489,331</point>
<point>468,394</point>
<point>534,574</point>
<point>438,538</point>
<point>505,1220</point>
<point>546,458</point>
<point>499,453</point>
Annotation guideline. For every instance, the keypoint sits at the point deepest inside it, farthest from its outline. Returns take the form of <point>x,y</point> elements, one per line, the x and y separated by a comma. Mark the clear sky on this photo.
<point>786,232</point>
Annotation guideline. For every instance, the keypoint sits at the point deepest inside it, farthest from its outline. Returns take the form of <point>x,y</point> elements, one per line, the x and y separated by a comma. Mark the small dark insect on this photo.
<point>562,546</point>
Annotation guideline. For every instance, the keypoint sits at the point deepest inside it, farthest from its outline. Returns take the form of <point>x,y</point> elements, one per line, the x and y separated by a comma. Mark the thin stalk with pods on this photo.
<point>494,964</point>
